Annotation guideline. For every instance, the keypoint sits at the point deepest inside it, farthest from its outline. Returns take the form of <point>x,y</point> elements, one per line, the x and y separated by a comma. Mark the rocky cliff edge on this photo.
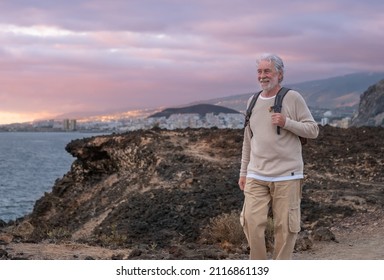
<point>157,189</point>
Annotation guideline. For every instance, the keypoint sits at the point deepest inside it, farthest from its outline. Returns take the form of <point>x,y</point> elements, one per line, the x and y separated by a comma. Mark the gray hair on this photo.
<point>276,60</point>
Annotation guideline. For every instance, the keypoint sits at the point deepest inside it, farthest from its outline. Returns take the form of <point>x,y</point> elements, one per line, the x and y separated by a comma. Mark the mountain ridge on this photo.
<point>329,93</point>
<point>201,109</point>
<point>333,92</point>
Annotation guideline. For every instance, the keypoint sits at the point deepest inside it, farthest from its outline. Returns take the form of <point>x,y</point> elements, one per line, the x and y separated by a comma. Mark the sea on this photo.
<point>30,163</point>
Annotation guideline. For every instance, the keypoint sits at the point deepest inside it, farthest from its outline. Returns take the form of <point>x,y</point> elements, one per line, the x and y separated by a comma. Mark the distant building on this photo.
<point>324,121</point>
<point>69,125</point>
<point>43,124</point>
<point>345,122</point>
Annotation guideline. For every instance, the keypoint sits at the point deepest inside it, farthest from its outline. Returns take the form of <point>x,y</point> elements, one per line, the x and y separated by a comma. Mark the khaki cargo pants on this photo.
<point>284,198</point>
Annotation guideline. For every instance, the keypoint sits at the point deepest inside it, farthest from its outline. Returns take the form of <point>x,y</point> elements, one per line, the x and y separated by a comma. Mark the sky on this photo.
<point>78,56</point>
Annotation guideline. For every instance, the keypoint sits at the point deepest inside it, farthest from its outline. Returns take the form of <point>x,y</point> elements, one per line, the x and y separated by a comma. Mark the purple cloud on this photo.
<point>57,56</point>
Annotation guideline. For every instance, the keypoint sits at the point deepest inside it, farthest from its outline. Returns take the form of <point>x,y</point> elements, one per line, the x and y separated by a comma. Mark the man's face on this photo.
<point>267,75</point>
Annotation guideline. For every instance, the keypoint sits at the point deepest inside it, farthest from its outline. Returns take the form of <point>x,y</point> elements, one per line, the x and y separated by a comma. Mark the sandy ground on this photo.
<point>362,241</point>
<point>353,246</point>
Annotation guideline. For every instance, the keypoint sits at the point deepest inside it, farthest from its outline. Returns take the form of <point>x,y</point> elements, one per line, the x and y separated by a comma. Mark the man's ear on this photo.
<point>280,77</point>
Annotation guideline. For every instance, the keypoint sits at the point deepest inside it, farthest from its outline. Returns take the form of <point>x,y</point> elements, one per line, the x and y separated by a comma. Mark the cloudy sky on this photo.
<point>98,55</point>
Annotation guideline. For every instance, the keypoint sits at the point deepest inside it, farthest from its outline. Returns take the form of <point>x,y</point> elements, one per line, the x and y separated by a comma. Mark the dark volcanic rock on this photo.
<point>3,254</point>
<point>324,234</point>
<point>144,186</point>
<point>2,223</point>
<point>161,188</point>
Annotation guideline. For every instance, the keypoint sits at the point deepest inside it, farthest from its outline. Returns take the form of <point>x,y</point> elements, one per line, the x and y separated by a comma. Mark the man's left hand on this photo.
<point>278,119</point>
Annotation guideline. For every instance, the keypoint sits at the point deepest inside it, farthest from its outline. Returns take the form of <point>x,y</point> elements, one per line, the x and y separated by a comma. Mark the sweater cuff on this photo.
<point>288,123</point>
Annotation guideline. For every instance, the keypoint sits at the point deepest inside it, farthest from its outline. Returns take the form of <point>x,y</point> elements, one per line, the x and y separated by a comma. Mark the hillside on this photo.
<point>335,92</point>
<point>201,109</point>
<point>339,92</point>
<point>342,91</point>
<point>371,106</point>
<point>151,195</point>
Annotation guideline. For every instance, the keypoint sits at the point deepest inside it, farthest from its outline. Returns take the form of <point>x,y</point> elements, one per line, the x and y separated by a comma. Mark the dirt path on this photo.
<point>359,244</point>
<point>370,247</point>
<point>68,251</point>
<point>364,241</point>
<point>362,248</point>
<point>359,237</point>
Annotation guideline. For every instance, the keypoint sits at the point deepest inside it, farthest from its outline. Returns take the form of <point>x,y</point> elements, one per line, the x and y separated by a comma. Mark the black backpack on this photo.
<point>278,104</point>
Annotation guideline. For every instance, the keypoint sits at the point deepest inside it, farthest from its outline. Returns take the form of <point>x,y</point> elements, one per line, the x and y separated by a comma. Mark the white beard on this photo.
<point>269,85</point>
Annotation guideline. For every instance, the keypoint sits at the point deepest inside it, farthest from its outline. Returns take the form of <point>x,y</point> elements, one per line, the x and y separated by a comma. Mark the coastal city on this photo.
<point>143,120</point>
<point>130,124</point>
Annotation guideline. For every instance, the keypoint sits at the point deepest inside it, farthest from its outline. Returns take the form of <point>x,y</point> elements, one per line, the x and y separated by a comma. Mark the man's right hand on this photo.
<point>242,180</point>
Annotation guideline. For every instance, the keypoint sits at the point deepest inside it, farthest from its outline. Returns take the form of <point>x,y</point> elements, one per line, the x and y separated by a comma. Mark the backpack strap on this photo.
<point>250,108</point>
<point>278,105</point>
<point>279,102</point>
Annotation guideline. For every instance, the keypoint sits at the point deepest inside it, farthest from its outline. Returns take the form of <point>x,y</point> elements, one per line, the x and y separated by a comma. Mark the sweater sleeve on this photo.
<point>299,119</point>
<point>246,152</point>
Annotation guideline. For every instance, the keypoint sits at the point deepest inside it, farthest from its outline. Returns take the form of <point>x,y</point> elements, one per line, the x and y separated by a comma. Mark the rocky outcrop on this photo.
<point>151,186</point>
<point>371,107</point>
<point>162,188</point>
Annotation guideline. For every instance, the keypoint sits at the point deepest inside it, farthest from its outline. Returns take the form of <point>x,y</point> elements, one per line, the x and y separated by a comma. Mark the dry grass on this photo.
<point>228,232</point>
<point>225,228</point>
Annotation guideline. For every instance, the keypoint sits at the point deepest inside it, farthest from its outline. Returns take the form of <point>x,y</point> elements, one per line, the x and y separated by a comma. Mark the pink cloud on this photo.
<point>102,55</point>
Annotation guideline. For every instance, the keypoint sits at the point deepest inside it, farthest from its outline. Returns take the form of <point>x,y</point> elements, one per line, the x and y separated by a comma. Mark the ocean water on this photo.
<point>30,163</point>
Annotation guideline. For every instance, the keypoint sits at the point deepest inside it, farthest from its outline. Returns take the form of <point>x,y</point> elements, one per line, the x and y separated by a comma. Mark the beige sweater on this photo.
<point>271,157</point>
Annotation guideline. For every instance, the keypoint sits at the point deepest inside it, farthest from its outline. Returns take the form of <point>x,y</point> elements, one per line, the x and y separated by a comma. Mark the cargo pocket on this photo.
<point>294,219</point>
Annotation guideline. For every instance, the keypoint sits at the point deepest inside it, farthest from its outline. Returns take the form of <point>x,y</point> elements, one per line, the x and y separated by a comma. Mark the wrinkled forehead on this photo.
<point>266,64</point>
